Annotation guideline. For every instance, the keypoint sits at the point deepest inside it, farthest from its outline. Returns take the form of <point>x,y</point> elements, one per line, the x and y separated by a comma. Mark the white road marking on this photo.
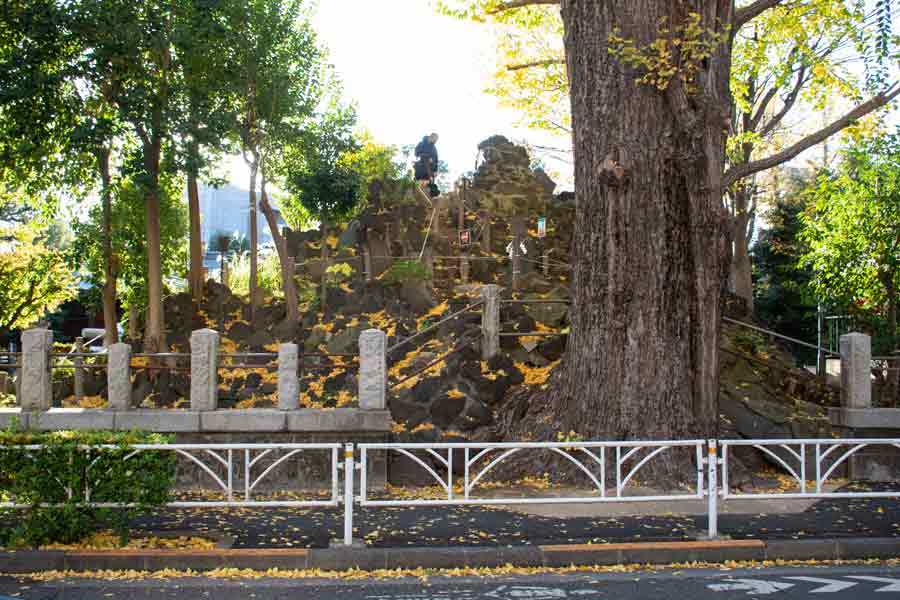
<point>751,586</point>
<point>894,584</point>
<point>830,585</point>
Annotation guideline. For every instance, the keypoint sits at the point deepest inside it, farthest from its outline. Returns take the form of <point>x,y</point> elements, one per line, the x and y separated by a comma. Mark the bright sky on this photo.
<point>412,71</point>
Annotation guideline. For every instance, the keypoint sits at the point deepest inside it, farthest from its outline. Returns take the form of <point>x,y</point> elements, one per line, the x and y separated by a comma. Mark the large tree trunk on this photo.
<point>291,300</point>
<point>154,338</point>
<point>741,276</point>
<point>254,294</point>
<point>196,242</point>
<point>649,246</point>
<point>110,317</point>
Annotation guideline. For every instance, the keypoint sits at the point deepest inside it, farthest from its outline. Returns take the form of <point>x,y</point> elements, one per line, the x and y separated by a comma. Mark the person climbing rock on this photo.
<point>427,164</point>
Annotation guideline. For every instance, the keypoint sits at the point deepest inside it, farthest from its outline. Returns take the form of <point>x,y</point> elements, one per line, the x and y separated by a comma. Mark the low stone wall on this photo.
<point>306,470</point>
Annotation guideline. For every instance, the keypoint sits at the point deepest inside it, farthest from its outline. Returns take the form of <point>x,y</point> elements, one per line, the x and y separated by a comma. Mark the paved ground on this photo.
<point>839,583</point>
<point>478,526</point>
<point>475,526</point>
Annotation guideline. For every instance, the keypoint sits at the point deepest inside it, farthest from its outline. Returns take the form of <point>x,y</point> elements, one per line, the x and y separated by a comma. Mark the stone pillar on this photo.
<point>288,377</point>
<point>856,371</point>
<point>35,380</point>
<point>373,370</point>
<point>118,376</point>
<point>490,321</point>
<point>78,373</point>
<point>204,369</point>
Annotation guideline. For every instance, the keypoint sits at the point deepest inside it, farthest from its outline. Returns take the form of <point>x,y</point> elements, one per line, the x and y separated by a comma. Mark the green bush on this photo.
<point>55,480</point>
<point>407,271</point>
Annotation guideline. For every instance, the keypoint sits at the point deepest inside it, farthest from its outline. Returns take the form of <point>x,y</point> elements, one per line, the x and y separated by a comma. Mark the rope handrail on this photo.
<point>779,335</point>
<point>434,326</point>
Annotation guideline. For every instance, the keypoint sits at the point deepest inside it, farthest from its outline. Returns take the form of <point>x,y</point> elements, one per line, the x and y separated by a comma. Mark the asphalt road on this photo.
<point>823,583</point>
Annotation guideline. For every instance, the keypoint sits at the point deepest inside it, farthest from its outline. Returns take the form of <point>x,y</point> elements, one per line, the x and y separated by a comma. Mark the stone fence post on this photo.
<point>373,370</point>
<point>204,369</point>
<point>78,372</point>
<point>490,321</point>
<point>118,376</point>
<point>856,371</point>
<point>35,377</point>
<point>288,377</point>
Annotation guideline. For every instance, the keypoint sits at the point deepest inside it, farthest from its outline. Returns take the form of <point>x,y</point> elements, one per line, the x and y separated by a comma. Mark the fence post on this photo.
<point>490,321</point>
<point>712,489</point>
<point>288,382</point>
<point>372,370</point>
<point>118,376</point>
<point>519,230</point>
<point>204,369</point>
<point>349,473</point>
<point>4,382</point>
<point>36,383</point>
<point>78,372</point>
<point>856,371</point>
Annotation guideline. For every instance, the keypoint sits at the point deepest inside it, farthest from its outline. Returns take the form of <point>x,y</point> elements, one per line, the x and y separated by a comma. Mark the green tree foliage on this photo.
<point>323,170</point>
<point>128,240</point>
<point>782,289</point>
<point>853,234</point>
<point>34,279</point>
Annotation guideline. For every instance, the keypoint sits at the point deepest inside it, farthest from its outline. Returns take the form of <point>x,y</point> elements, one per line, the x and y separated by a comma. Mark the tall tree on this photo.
<point>276,77</point>
<point>795,55</point>
<point>205,44</point>
<point>128,50</point>
<point>58,132</point>
<point>317,172</point>
<point>651,113</point>
<point>853,234</point>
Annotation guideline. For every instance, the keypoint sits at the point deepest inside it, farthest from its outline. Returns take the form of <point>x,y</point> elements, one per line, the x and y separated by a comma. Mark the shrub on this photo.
<point>406,271</point>
<point>56,481</point>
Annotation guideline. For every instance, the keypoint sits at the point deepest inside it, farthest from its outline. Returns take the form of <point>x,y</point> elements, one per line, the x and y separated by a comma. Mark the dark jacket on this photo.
<point>427,163</point>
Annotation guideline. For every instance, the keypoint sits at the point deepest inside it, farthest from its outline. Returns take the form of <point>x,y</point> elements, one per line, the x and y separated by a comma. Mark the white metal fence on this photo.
<point>460,470</point>
<point>236,470</point>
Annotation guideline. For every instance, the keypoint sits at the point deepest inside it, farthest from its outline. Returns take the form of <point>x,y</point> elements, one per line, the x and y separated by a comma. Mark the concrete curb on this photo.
<point>339,559</point>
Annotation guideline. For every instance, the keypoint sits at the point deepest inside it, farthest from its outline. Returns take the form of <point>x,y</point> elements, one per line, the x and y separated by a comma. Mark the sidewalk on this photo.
<point>557,524</point>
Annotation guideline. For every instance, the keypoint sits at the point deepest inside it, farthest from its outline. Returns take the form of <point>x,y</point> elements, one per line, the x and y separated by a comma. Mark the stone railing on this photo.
<point>36,396</point>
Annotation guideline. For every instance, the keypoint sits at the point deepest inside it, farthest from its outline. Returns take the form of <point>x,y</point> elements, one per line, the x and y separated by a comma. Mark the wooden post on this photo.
<point>518,228</point>
<point>547,263</point>
<point>4,383</point>
<point>367,262</point>
<point>486,241</point>
<point>78,361</point>
<point>326,262</point>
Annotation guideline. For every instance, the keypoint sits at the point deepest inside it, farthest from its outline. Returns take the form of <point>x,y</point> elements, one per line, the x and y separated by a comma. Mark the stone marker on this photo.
<point>856,371</point>
<point>118,376</point>
<point>490,321</point>
<point>36,382</point>
<point>204,369</point>
<point>288,380</point>
<point>372,370</point>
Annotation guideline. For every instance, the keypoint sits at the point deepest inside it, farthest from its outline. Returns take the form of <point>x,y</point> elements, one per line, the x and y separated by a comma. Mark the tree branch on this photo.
<point>788,103</point>
<point>738,172</point>
<point>514,4</point>
<point>538,63</point>
<point>744,15</point>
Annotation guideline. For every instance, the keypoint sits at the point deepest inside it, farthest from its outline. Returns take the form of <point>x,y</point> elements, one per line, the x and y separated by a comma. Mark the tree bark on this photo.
<point>196,245</point>
<point>154,337</point>
<point>650,252</point>
<point>741,276</point>
<point>110,316</point>
<point>288,286</point>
